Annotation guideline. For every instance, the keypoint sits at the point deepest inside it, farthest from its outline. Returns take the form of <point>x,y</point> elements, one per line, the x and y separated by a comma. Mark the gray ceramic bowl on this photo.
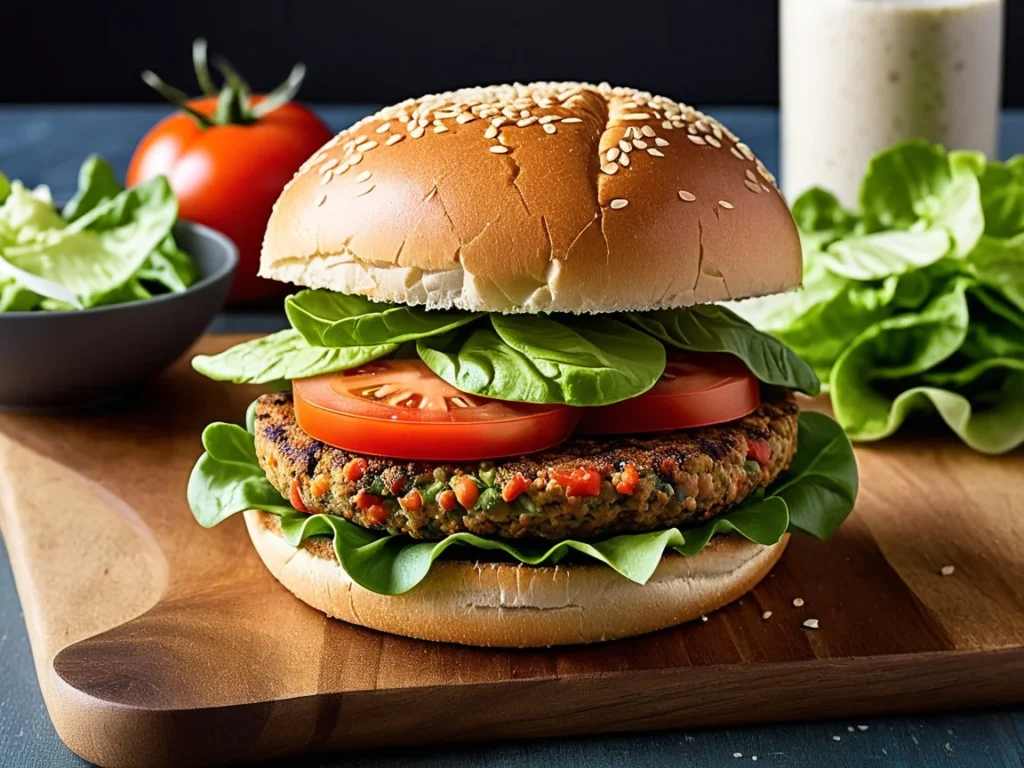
<point>75,359</point>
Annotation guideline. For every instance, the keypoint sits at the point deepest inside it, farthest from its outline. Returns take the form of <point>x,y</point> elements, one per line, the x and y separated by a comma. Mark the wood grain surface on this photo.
<point>159,643</point>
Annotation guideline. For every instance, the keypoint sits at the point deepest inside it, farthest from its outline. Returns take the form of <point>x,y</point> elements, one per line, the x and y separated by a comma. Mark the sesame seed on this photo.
<point>751,176</point>
<point>632,132</point>
<point>655,152</point>
<point>498,122</point>
<point>547,119</point>
<point>639,143</point>
<point>765,188</point>
<point>745,150</point>
<point>717,130</point>
<point>661,142</point>
<point>737,153</point>
<point>394,138</point>
<point>320,200</point>
<point>636,116</point>
<point>441,128</point>
<point>498,149</point>
<point>572,120</point>
<point>713,141</point>
<point>383,127</point>
<point>549,129</point>
<point>491,132</point>
<point>624,160</point>
<point>647,131</point>
<point>327,177</point>
<point>737,754</point>
<point>752,186</point>
<point>368,190</point>
<point>625,146</point>
<point>328,165</point>
<point>766,615</point>
<point>696,139</point>
<point>616,204</point>
<point>837,738</point>
<point>422,122</point>
<point>849,728</point>
<point>341,169</point>
<point>363,176</point>
<point>524,113</point>
<point>667,125</point>
<point>810,624</point>
<point>687,196</point>
<point>465,117</point>
<point>613,153</point>
<point>765,172</point>
<point>798,602</point>
<point>947,570</point>
<point>862,727</point>
<point>610,168</point>
<point>703,618</point>
<point>726,204</point>
<point>356,159</point>
<point>366,147</point>
<point>416,132</point>
<point>526,121</point>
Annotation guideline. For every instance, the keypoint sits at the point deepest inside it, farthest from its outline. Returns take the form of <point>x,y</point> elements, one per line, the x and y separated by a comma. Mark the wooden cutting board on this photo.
<point>159,643</point>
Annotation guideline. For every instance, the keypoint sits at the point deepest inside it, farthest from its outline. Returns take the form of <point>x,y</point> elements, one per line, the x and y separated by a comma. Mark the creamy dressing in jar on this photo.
<point>860,75</point>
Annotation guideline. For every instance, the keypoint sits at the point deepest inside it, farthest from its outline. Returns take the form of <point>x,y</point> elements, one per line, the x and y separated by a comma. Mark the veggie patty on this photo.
<point>582,489</point>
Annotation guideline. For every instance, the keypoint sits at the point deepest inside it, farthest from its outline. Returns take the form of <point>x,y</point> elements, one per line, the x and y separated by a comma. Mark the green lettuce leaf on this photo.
<point>821,219</point>
<point>227,480</point>
<point>543,359</point>
<point>710,328</point>
<point>1002,197</point>
<point>999,264</point>
<point>84,262</point>
<point>896,348</point>
<point>283,356</point>
<point>5,188</point>
<point>328,319</point>
<point>97,184</point>
<point>883,254</point>
<point>916,183</point>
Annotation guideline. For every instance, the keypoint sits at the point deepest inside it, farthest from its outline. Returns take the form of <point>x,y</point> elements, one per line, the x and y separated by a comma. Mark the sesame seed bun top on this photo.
<point>535,198</point>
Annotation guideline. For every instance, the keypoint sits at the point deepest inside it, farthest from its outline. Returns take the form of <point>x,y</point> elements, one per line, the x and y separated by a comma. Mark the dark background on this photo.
<point>379,51</point>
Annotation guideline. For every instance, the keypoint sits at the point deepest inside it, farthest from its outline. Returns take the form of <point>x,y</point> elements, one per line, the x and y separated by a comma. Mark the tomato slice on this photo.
<point>403,410</point>
<point>696,390</point>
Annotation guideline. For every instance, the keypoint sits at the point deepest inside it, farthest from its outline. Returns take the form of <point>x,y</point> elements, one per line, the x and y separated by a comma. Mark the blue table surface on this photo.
<point>45,145</point>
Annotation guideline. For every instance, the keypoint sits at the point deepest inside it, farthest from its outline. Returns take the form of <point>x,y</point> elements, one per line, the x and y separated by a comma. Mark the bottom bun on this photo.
<point>520,606</point>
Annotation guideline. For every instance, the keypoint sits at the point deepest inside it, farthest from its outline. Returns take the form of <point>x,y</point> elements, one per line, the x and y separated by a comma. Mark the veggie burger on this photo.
<point>517,415</point>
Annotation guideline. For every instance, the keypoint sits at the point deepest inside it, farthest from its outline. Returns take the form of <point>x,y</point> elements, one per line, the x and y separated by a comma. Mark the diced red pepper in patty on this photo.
<point>581,481</point>
<point>627,484</point>
<point>295,498</point>
<point>759,450</point>
<point>354,469</point>
<point>514,488</point>
<point>446,500</point>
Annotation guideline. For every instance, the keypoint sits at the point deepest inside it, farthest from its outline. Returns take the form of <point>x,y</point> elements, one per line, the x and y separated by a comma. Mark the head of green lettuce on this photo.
<point>573,334</point>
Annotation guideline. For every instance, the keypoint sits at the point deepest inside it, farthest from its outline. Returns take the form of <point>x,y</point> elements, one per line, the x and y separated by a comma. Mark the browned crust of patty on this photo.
<point>686,477</point>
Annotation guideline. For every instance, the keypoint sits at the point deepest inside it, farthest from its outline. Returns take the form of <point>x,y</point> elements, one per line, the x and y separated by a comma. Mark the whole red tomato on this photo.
<point>227,157</point>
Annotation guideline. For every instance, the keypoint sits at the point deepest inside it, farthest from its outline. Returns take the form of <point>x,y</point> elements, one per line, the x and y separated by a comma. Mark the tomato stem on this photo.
<point>234,98</point>
<point>176,97</point>
<point>202,68</point>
